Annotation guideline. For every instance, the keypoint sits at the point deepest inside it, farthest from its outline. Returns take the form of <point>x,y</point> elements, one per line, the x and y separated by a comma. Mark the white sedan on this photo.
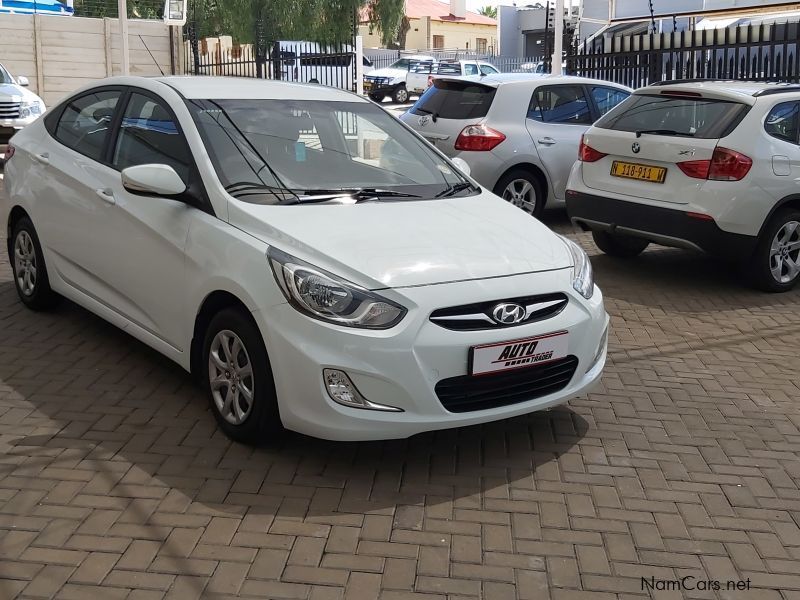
<point>318,265</point>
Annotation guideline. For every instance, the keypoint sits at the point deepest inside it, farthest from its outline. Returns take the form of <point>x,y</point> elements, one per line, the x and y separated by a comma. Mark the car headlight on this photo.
<point>582,274</point>
<point>31,108</point>
<point>326,297</point>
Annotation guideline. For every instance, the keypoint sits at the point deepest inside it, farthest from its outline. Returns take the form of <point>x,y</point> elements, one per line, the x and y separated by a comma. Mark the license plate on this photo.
<point>517,354</point>
<point>637,171</point>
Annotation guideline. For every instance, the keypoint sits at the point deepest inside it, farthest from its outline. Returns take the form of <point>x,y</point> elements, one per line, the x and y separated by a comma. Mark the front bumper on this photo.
<point>401,366</point>
<point>381,87</point>
<point>665,226</point>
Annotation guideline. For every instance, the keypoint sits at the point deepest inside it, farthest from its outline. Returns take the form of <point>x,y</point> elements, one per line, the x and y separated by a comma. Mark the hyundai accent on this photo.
<point>312,260</point>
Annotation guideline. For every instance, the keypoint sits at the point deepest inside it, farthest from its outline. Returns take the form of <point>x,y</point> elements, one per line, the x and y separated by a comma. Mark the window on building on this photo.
<point>438,41</point>
<point>480,45</point>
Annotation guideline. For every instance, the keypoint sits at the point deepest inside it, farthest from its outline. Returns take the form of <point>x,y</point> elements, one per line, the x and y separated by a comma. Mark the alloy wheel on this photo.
<point>230,375</point>
<point>784,255</point>
<point>25,263</point>
<point>521,193</point>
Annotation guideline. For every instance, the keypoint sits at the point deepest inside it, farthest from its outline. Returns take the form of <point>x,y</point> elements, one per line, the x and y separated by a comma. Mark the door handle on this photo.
<point>43,158</point>
<point>106,195</point>
<point>546,141</point>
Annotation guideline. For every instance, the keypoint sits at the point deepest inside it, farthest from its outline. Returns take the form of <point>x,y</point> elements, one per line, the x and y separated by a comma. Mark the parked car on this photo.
<point>421,77</point>
<point>391,80</point>
<point>18,106</point>
<point>706,165</point>
<point>311,62</point>
<point>519,133</point>
<point>314,262</point>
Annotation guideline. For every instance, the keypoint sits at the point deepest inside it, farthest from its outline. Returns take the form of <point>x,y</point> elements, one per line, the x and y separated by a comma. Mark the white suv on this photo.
<point>705,165</point>
<point>18,106</point>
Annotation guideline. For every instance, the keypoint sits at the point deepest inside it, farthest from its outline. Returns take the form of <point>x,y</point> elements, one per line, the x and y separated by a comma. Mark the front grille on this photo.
<point>9,110</point>
<point>471,317</point>
<point>466,393</point>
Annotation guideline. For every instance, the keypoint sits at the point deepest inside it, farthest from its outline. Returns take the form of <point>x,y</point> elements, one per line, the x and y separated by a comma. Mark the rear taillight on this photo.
<point>478,138</point>
<point>725,165</point>
<point>588,154</point>
<point>9,152</point>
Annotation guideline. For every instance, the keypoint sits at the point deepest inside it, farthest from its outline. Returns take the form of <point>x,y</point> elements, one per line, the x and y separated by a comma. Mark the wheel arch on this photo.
<point>791,201</point>
<point>212,304</point>
<point>16,213</point>
<point>531,168</point>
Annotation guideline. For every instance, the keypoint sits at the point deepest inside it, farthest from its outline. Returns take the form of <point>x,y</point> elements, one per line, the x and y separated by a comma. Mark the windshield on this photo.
<point>5,76</point>
<point>703,118</point>
<point>274,151</point>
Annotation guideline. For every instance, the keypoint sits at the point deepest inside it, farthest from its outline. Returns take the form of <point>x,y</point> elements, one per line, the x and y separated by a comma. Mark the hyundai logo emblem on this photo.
<point>636,147</point>
<point>508,313</point>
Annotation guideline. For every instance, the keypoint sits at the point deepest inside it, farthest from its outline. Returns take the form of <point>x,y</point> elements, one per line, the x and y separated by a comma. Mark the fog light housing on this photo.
<point>344,392</point>
<point>600,349</point>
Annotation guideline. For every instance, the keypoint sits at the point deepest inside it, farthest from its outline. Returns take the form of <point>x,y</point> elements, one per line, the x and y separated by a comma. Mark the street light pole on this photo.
<point>558,41</point>
<point>125,64</point>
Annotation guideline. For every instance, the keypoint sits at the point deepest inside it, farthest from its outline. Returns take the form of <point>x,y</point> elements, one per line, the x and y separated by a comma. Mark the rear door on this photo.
<point>650,135</point>
<point>557,117</point>
<point>446,108</point>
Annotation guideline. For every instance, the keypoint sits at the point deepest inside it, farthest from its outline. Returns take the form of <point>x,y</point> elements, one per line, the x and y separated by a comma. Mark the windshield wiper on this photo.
<point>248,188</point>
<point>360,194</point>
<point>434,115</point>
<point>663,132</point>
<point>455,189</point>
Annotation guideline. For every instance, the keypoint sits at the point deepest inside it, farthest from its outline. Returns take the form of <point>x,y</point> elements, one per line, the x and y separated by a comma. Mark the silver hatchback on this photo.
<point>518,132</point>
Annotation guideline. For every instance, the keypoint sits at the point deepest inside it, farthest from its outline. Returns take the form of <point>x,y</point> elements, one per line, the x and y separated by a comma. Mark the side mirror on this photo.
<point>23,81</point>
<point>462,165</point>
<point>152,180</point>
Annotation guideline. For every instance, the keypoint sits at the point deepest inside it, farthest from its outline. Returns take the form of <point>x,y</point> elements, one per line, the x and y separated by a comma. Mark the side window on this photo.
<point>83,125</point>
<point>783,120</point>
<point>607,98</point>
<point>148,134</point>
<point>470,69</point>
<point>564,104</point>
<point>488,70</point>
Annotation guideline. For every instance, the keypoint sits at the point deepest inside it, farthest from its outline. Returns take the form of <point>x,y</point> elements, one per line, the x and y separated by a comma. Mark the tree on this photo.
<point>389,17</point>
<point>488,11</point>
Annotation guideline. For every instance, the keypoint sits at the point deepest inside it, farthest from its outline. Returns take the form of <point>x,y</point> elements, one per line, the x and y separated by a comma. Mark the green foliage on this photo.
<point>488,11</point>
<point>137,9</point>
<point>389,17</point>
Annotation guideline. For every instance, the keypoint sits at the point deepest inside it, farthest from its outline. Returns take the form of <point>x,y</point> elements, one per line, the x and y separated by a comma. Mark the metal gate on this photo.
<point>752,52</point>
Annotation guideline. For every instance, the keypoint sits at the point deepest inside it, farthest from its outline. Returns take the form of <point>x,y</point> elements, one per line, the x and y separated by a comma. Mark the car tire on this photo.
<point>775,264</point>
<point>620,246</point>
<point>238,379</point>
<point>400,94</point>
<point>376,97</point>
<point>522,189</point>
<point>29,269</point>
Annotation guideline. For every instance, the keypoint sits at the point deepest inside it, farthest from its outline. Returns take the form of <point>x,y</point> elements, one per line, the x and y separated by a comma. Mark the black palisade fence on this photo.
<point>752,52</point>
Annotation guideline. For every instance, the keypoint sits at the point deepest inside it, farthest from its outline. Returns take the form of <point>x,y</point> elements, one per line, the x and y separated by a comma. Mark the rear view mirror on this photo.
<point>462,165</point>
<point>152,180</point>
<point>23,81</point>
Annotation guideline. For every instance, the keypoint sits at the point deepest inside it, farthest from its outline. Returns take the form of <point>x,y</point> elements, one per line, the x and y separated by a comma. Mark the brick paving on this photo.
<point>114,482</point>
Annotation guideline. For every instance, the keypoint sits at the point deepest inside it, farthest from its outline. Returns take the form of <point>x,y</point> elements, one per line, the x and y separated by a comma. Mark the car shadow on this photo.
<point>80,394</point>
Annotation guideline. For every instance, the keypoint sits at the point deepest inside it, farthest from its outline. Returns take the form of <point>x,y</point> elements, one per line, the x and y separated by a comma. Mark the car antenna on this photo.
<point>158,66</point>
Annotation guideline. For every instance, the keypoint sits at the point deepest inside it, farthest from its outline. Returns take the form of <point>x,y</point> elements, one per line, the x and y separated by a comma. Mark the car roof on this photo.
<point>740,91</point>
<point>505,79</point>
<point>240,88</point>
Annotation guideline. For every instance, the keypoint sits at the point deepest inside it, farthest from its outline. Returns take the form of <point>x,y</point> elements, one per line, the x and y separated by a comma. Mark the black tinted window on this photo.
<point>607,98</point>
<point>694,117</point>
<point>83,125</point>
<point>455,100</point>
<point>148,134</point>
<point>783,120</point>
<point>565,104</point>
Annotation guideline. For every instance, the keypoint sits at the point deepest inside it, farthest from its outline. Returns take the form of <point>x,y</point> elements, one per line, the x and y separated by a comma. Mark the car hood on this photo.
<point>408,243</point>
<point>10,92</point>
<point>386,72</point>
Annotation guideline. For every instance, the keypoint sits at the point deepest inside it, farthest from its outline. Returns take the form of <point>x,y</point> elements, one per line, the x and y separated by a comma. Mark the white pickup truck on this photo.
<point>421,76</point>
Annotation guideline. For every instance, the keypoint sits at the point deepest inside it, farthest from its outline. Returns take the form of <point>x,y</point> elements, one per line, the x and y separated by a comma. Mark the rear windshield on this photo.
<point>703,118</point>
<point>455,100</point>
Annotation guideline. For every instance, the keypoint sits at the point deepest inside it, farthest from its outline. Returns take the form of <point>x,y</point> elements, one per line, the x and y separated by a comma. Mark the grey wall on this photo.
<point>508,32</point>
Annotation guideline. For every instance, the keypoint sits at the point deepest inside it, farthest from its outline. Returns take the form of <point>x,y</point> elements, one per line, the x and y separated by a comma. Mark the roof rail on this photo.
<point>785,88</point>
<point>699,80</point>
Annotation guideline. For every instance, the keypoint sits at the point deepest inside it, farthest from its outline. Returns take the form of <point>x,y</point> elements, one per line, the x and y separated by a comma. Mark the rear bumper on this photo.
<point>665,226</point>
